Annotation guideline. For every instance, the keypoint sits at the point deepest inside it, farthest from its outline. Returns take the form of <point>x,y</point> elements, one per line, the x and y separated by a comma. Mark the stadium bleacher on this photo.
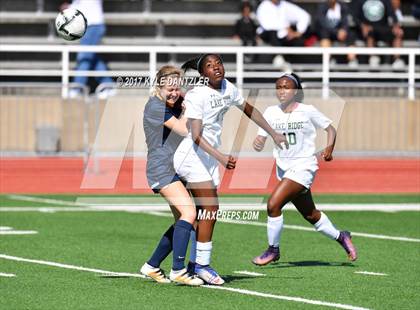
<point>146,22</point>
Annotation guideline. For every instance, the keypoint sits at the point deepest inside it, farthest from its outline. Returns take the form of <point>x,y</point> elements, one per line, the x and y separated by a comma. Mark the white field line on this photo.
<point>6,230</point>
<point>249,273</point>
<point>231,289</point>
<point>304,228</point>
<point>65,266</point>
<point>18,232</point>
<point>155,210</point>
<point>288,298</point>
<point>7,275</point>
<point>45,200</point>
<point>148,206</point>
<point>371,273</point>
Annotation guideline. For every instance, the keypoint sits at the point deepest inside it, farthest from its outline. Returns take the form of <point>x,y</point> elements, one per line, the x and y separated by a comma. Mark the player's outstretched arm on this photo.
<point>196,126</point>
<point>255,115</point>
<point>331,136</point>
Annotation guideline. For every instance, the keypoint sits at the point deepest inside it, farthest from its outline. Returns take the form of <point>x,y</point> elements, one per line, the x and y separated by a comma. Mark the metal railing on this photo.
<point>325,75</point>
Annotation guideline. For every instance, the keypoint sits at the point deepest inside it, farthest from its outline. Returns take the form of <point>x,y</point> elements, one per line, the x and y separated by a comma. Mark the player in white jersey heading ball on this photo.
<point>296,166</point>
<point>197,157</point>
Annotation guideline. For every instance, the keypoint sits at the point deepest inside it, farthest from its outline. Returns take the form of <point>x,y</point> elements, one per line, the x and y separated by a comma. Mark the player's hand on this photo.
<point>279,139</point>
<point>259,143</point>
<point>327,153</point>
<point>228,161</point>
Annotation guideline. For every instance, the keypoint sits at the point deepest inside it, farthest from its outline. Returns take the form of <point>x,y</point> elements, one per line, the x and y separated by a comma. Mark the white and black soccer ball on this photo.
<point>71,24</point>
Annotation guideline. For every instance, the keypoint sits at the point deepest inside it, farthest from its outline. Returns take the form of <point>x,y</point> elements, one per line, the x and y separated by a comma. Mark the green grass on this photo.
<point>311,266</point>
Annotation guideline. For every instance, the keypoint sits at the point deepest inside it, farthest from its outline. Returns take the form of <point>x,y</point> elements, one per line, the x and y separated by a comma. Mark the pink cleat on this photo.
<point>345,240</point>
<point>272,254</point>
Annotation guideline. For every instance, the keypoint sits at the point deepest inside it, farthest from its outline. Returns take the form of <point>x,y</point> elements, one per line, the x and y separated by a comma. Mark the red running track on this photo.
<point>65,175</point>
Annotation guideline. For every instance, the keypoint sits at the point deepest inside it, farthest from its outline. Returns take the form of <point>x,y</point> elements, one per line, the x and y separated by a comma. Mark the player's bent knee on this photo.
<point>273,207</point>
<point>189,216</point>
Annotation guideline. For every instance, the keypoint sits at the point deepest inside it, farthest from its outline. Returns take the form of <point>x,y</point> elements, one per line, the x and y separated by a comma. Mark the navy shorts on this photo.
<point>157,182</point>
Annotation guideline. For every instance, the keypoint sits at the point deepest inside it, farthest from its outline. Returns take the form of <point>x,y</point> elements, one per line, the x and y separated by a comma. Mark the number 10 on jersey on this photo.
<point>291,137</point>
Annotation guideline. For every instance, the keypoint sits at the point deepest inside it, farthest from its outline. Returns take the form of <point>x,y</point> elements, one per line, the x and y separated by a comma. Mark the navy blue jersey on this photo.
<point>161,141</point>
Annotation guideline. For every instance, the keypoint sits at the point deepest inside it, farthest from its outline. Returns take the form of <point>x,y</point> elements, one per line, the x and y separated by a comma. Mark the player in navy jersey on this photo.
<point>164,127</point>
<point>197,157</point>
<point>296,166</point>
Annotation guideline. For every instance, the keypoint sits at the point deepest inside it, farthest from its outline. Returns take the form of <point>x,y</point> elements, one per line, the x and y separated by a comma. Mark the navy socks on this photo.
<point>181,237</point>
<point>163,249</point>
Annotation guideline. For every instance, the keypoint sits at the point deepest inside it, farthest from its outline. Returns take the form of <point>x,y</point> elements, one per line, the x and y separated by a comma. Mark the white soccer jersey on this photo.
<point>300,127</point>
<point>202,102</point>
<point>210,105</point>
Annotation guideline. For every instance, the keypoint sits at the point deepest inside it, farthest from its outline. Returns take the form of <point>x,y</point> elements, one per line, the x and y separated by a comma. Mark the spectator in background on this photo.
<point>373,16</point>
<point>246,28</point>
<point>282,23</point>
<point>396,5</point>
<point>93,11</point>
<point>332,25</point>
<point>268,19</point>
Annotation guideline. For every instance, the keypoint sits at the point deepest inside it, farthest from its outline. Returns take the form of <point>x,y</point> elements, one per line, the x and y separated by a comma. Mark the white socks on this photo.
<point>204,253</point>
<point>274,228</point>
<point>325,227</point>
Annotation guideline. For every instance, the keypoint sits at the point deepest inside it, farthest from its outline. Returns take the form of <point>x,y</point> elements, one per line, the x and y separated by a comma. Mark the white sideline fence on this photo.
<point>325,75</point>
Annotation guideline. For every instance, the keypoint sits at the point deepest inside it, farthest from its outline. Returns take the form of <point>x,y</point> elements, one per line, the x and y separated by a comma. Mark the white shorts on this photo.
<point>194,165</point>
<point>302,175</point>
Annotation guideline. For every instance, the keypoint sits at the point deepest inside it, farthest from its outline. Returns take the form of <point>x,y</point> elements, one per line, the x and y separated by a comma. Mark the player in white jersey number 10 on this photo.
<point>296,166</point>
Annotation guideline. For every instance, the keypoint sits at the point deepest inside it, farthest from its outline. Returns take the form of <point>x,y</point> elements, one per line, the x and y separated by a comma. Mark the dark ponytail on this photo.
<point>197,62</point>
<point>191,64</point>
<point>300,95</point>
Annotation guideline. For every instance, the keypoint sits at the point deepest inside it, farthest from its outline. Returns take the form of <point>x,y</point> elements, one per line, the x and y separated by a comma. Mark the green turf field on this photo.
<point>313,271</point>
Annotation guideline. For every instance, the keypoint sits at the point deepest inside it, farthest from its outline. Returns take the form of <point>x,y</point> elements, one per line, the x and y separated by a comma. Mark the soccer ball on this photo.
<point>71,24</point>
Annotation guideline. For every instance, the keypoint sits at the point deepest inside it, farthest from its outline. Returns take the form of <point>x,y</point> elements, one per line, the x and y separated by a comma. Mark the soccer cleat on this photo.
<point>345,240</point>
<point>156,274</point>
<point>208,274</point>
<point>272,254</point>
<point>183,277</point>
